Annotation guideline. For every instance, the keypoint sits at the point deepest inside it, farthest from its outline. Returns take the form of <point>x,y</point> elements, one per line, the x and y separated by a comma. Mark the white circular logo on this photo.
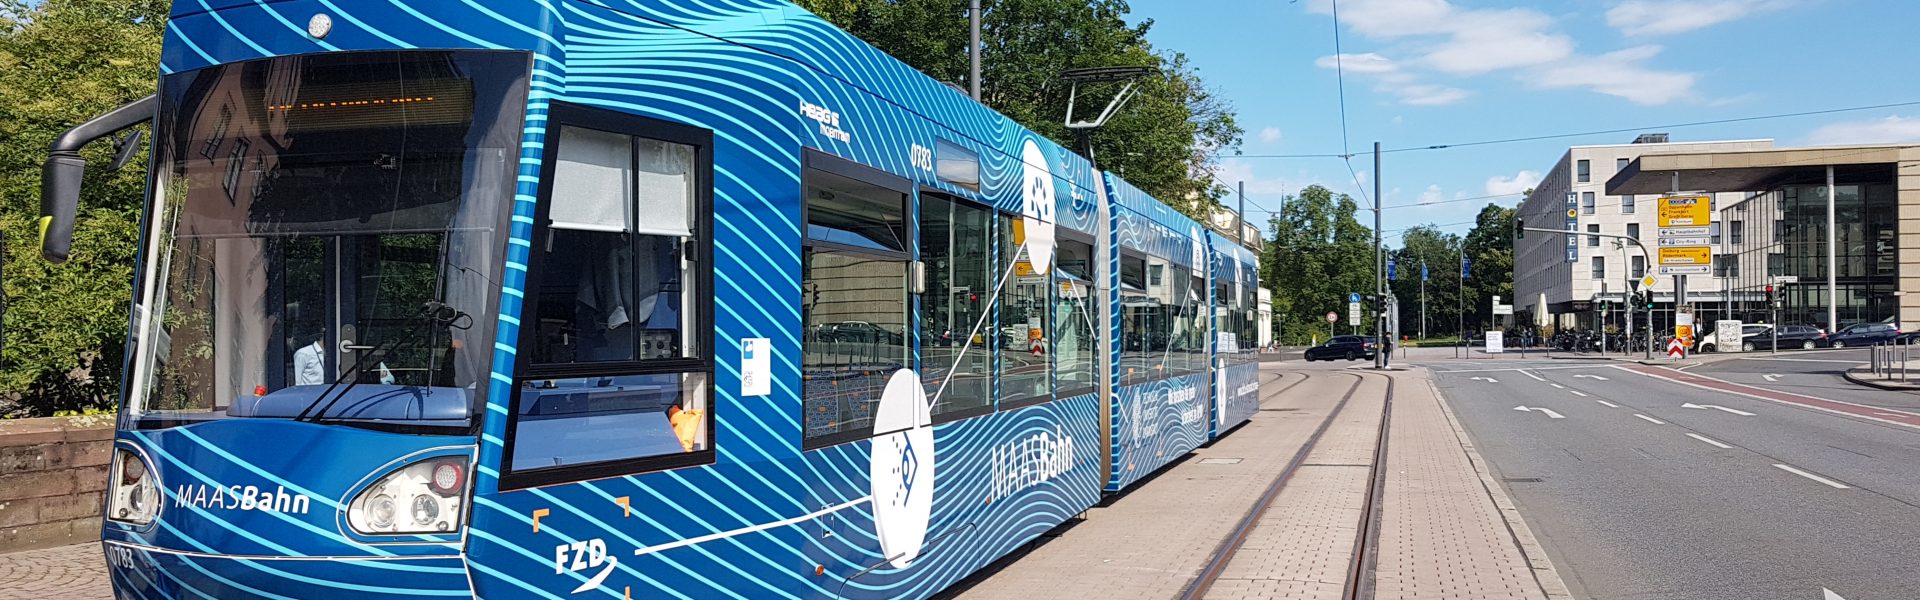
<point>901,468</point>
<point>1037,206</point>
<point>319,26</point>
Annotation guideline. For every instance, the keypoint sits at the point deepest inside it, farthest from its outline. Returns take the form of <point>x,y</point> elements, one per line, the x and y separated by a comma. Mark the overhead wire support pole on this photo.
<point>973,15</point>
<point>1381,355</point>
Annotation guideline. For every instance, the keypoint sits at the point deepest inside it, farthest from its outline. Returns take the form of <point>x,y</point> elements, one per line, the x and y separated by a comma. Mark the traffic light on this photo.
<point>1519,229</point>
<point>1648,300</point>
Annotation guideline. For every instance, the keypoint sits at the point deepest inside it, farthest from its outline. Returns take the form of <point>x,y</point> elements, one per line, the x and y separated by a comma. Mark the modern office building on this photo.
<point>1561,281</point>
<point>1862,239</point>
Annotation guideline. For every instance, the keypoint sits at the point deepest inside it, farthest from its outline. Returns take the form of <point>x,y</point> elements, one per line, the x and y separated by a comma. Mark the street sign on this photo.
<point>1648,281</point>
<point>1353,312</point>
<point>1680,211</point>
<point>1686,255</point>
<point>1687,270</point>
<point>1785,279</point>
<point>1496,341</point>
<point>1700,241</point>
<point>1502,309</point>
<point>1675,349</point>
<point>1684,231</point>
<point>1353,297</point>
<point>1726,335</point>
<point>1333,318</point>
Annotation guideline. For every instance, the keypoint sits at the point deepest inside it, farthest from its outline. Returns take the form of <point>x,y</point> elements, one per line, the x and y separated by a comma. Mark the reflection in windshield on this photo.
<point>310,212</point>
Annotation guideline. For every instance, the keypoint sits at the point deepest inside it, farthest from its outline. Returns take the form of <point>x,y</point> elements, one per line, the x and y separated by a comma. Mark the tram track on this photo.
<point>1359,579</point>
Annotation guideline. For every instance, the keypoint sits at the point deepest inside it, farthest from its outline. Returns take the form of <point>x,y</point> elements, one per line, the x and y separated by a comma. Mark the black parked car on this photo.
<point>1805,337</point>
<point>1350,347</point>
<point>1864,334</point>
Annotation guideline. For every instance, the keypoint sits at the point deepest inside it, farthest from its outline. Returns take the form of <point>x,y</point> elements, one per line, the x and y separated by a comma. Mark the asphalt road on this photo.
<point>1637,496</point>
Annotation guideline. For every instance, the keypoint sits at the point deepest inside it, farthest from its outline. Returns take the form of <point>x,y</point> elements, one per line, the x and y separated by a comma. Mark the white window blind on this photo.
<point>666,188</point>
<point>593,181</point>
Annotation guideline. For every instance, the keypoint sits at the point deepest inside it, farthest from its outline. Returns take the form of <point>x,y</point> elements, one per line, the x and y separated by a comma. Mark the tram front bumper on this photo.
<point>147,572</point>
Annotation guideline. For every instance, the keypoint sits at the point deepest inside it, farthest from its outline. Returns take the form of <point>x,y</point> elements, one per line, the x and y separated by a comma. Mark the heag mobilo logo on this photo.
<point>241,498</point>
<point>900,469</point>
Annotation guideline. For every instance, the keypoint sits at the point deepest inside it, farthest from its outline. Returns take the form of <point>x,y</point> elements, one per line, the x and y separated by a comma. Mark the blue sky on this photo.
<point>1426,72</point>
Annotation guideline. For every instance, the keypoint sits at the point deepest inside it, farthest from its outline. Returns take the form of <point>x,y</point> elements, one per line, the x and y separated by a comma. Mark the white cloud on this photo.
<point>1620,73</point>
<point>1370,63</point>
<point>1270,135</point>
<point>1429,95</point>
<point>1431,40</point>
<point>1432,194</point>
<point>1893,129</point>
<point>1667,17</point>
<point>1501,185</point>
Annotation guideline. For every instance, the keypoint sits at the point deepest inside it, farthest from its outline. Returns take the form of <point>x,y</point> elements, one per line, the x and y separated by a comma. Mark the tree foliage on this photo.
<point>61,63</point>
<point>1319,254</point>
<point>1166,141</point>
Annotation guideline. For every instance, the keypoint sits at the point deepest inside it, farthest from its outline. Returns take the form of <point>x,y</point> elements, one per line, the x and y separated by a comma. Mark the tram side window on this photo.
<point>960,281</point>
<point>1139,329</point>
<point>853,304</point>
<point>1196,321</point>
<point>614,373</point>
<point>1074,315</point>
<point>1025,363</point>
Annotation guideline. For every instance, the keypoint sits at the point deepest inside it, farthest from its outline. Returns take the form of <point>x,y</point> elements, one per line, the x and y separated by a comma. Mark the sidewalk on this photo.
<point>76,572</point>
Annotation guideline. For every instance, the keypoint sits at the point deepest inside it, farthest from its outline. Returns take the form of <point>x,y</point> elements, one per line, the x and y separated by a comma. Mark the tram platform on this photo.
<point>1431,524</point>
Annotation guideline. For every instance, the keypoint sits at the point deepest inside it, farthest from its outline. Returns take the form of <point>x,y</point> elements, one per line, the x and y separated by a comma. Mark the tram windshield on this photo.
<point>326,232</point>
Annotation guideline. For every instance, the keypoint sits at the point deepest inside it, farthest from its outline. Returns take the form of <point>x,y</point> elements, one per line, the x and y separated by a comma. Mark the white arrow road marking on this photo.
<point>1486,379</point>
<point>1578,393</point>
<point>1590,377</point>
<point>1771,377</point>
<point>1535,377</point>
<point>1608,404</point>
<point>1557,386</point>
<point>1650,419</point>
<point>1829,482</point>
<point>612,561</point>
<point>1709,440</point>
<point>1718,408</point>
<point>1549,412</point>
<point>1830,595</point>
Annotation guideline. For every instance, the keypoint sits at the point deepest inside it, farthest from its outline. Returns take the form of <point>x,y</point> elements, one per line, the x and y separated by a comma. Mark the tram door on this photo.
<point>352,298</point>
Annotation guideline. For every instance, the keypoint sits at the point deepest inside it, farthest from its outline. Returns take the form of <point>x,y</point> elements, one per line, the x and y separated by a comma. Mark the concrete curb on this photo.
<point>1551,584</point>
<point>1865,377</point>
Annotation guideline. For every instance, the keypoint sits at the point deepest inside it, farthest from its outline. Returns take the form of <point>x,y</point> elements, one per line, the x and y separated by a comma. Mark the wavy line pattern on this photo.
<point>741,68</point>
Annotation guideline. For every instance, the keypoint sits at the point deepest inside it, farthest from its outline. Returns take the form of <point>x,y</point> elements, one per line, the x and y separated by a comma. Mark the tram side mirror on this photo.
<point>61,176</point>
<point>59,203</point>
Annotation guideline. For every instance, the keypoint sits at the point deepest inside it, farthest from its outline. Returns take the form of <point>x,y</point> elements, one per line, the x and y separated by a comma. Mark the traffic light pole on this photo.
<point>1521,226</point>
<point>1381,355</point>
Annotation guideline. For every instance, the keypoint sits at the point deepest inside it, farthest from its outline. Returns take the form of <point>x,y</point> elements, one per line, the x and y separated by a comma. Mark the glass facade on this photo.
<point>1866,252</point>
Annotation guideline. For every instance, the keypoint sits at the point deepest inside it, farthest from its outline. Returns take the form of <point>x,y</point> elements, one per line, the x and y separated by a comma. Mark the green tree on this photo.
<point>61,63</point>
<point>1440,253</point>
<point>1167,141</point>
<point>1490,245</point>
<point>1320,252</point>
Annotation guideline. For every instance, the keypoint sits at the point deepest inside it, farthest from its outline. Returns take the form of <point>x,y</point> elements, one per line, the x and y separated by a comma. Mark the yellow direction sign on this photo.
<point>1648,282</point>
<point>1682,211</point>
<point>1687,255</point>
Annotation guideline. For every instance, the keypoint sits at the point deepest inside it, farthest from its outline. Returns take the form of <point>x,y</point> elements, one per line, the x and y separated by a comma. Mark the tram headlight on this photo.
<point>133,495</point>
<point>429,492</point>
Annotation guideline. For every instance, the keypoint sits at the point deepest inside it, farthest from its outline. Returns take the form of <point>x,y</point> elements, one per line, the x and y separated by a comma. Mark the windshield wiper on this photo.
<point>433,313</point>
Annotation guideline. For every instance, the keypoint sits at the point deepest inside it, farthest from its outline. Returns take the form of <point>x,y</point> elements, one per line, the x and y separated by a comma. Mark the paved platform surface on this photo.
<point>77,572</point>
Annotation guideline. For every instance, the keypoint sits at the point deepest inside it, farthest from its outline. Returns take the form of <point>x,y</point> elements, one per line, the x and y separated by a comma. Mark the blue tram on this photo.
<point>625,298</point>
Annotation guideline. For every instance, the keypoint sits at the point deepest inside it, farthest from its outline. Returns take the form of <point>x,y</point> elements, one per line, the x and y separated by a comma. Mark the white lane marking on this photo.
<point>1709,440</point>
<point>1590,377</point>
<point>1786,402</point>
<point>1549,412</point>
<point>1608,404</point>
<point>1771,377</point>
<point>1716,407</point>
<point>1557,386</point>
<point>1829,482</point>
<point>1579,393</point>
<point>1888,414</point>
<point>750,529</point>
<point>1830,595</point>
<point>1486,379</point>
<point>1535,377</point>
<point>1650,419</point>
<point>1808,360</point>
<point>1525,369</point>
